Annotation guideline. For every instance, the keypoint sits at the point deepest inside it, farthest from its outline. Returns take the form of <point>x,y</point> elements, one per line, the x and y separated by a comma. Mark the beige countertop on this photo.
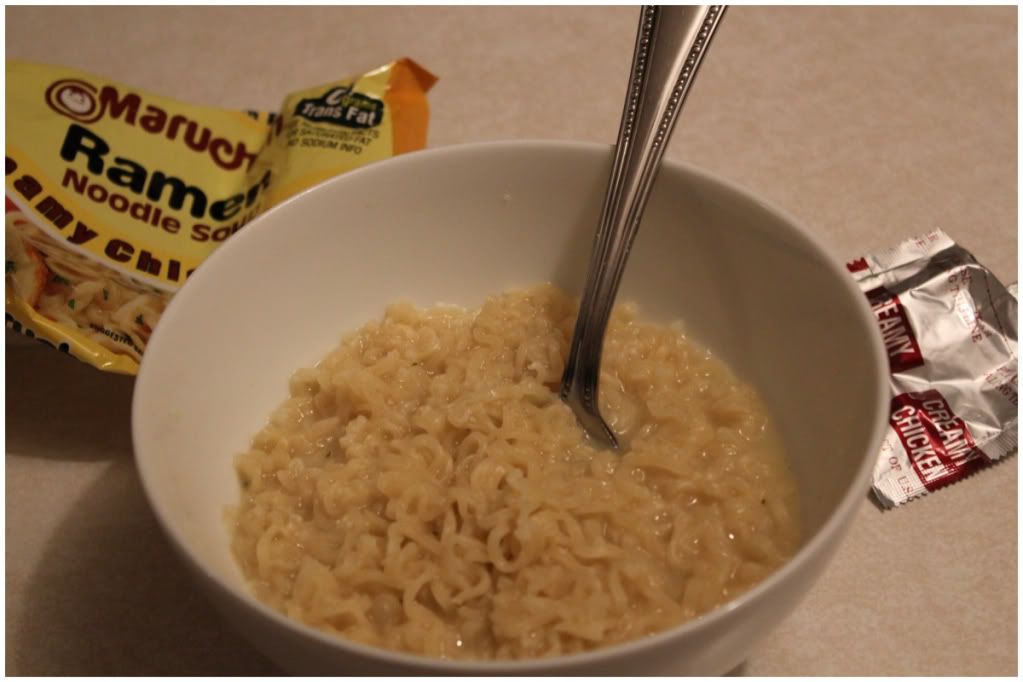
<point>867,124</point>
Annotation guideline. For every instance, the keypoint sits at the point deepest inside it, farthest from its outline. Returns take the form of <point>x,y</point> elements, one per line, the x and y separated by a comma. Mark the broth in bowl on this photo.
<point>424,489</point>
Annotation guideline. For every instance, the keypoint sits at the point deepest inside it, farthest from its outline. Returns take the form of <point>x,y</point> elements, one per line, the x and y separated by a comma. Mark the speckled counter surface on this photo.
<point>867,124</point>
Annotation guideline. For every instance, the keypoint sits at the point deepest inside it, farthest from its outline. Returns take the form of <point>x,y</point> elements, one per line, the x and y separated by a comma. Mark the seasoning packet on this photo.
<point>951,332</point>
<point>114,196</point>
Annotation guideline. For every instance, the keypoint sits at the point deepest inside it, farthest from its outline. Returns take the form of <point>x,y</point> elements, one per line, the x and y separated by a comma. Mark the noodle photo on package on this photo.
<point>109,308</point>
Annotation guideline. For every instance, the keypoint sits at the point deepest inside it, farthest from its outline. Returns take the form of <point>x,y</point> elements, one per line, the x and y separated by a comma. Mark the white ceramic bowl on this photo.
<point>454,225</point>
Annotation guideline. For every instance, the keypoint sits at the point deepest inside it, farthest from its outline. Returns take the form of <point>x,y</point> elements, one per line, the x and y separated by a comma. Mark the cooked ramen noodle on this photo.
<point>69,288</point>
<point>424,489</point>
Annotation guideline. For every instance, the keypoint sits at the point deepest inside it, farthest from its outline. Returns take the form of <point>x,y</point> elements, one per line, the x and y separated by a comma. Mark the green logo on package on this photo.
<point>344,107</point>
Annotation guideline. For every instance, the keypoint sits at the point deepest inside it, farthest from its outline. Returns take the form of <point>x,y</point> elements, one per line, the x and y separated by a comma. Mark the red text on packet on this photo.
<point>858,265</point>
<point>899,339</point>
<point>938,443</point>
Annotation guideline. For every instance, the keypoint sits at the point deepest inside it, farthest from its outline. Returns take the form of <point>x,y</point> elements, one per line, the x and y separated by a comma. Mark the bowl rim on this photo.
<point>830,531</point>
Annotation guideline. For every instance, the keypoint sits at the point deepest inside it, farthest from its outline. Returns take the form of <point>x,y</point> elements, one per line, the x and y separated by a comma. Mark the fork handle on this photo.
<point>670,45</point>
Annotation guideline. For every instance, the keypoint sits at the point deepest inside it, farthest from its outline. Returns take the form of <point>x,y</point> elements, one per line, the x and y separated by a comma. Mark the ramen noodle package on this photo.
<point>115,196</point>
<point>951,332</point>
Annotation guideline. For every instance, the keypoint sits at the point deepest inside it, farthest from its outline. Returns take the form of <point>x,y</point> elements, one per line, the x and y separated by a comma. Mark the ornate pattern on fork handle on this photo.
<point>632,174</point>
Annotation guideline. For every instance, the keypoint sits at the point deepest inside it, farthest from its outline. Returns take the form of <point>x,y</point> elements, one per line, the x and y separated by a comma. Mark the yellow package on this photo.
<point>115,196</point>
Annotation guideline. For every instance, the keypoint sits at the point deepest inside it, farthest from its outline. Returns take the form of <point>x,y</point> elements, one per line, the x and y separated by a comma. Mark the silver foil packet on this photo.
<point>951,332</point>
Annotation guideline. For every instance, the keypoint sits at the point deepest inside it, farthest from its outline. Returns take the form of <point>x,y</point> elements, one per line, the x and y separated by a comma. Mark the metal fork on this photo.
<point>670,45</point>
